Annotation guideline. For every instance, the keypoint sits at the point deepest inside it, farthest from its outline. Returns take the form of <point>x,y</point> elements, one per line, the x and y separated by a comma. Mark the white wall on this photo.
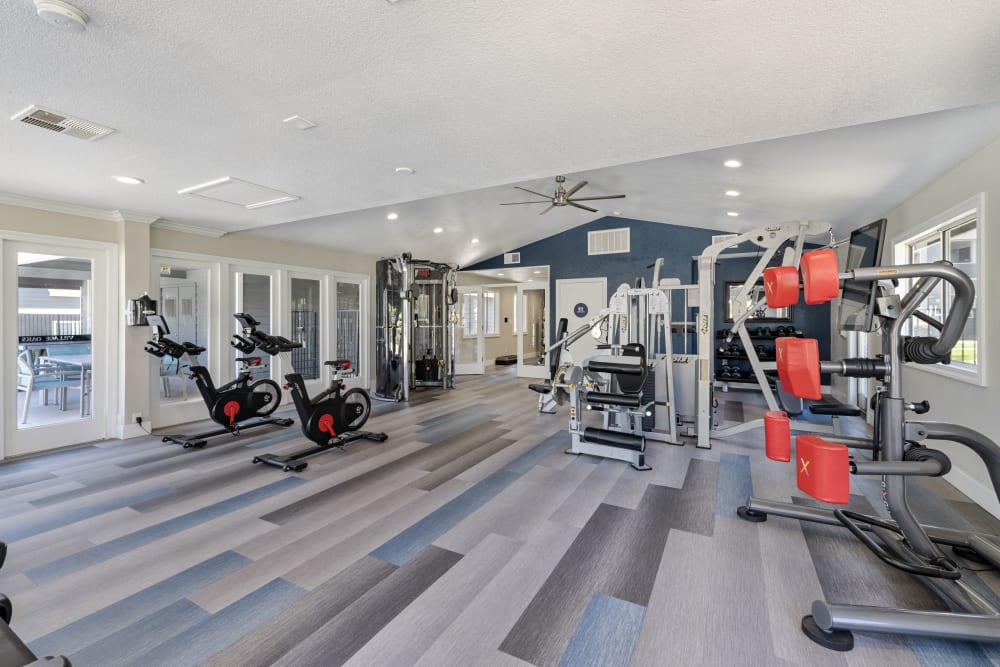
<point>134,241</point>
<point>954,400</point>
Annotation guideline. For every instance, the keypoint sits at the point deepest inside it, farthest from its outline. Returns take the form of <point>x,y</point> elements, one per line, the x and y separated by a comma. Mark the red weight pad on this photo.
<point>781,286</point>
<point>824,469</point>
<point>820,276</point>
<point>777,436</point>
<point>798,366</point>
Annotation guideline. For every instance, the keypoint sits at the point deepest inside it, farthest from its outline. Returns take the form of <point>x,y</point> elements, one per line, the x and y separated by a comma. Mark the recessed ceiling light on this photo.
<point>732,164</point>
<point>129,180</point>
<point>732,193</point>
<point>475,241</point>
<point>438,230</point>
<point>616,212</point>
<point>392,216</point>
<point>405,171</point>
<point>531,280</point>
<point>537,273</point>
<point>499,274</point>
<point>732,214</point>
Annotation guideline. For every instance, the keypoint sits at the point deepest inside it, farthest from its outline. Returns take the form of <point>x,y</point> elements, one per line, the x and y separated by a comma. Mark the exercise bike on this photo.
<point>236,406</point>
<point>330,419</point>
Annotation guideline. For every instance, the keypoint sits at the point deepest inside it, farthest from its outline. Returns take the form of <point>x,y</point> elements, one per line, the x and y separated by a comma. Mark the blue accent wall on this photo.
<point>566,255</point>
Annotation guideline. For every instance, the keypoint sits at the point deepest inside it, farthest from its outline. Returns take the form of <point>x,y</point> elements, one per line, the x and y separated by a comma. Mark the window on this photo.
<point>470,314</point>
<point>491,312</point>
<point>953,236</point>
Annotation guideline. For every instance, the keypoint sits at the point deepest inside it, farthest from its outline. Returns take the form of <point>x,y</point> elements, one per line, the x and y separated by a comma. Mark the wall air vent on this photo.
<point>54,121</point>
<point>239,193</point>
<point>719,238</point>
<point>609,241</point>
<point>512,258</point>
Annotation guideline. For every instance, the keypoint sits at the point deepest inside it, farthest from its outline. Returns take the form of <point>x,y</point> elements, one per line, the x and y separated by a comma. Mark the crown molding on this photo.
<point>59,207</point>
<point>131,216</point>
<point>188,229</point>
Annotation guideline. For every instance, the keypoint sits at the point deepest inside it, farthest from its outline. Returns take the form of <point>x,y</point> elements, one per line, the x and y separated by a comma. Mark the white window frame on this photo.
<point>973,208</point>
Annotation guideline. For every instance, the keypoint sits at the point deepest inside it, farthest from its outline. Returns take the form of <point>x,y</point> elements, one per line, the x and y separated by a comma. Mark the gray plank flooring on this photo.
<point>468,538</point>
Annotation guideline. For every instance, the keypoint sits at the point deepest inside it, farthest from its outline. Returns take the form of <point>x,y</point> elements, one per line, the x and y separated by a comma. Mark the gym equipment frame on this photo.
<point>824,468</point>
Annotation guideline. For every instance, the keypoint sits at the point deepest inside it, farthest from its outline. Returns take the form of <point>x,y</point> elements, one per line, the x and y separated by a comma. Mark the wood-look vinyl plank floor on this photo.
<point>499,549</point>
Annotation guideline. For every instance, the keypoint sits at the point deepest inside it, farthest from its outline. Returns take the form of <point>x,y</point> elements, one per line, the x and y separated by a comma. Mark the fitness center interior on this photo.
<point>556,334</point>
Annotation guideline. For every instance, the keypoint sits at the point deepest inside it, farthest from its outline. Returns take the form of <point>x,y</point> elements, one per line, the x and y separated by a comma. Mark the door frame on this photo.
<point>570,281</point>
<point>478,367</point>
<point>541,370</point>
<point>105,403</point>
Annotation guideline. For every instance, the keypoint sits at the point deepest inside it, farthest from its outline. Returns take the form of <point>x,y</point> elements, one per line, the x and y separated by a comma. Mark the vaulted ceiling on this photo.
<point>473,96</point>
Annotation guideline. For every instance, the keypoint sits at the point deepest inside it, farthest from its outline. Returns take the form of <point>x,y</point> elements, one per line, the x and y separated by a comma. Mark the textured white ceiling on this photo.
<point>470,94</point>
<point>847,177</point>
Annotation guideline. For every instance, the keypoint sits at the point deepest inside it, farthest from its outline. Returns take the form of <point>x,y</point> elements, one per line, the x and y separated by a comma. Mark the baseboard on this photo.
<point>127,431</point>
<point>979,493</point>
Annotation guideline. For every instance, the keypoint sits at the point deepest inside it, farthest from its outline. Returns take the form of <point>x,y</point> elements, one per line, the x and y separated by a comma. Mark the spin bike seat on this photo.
<point>339,363</point>
<point>252,361</point>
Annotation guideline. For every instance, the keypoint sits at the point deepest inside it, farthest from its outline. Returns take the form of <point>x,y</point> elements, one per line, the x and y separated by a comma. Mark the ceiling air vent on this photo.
<point>512,258</point>
<point>608,241</point>
<point>47,119</point>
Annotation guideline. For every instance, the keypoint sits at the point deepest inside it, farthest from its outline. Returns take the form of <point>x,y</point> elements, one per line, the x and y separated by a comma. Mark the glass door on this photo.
<point>347,340</point>
<point>530,324</point>
<point>253,296</point>
<point>56,345</point>
<point>305,316</point>
<point>469,340</point>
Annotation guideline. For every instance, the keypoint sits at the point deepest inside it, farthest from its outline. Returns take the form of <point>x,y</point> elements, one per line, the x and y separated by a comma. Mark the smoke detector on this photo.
<point>62,15</point>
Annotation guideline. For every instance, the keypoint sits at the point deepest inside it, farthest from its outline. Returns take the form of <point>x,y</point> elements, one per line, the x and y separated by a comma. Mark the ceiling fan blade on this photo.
<point>604,197</point>
<point>537,201</point>
<point>585,208</point>
<point>551,206</point>
<point>576,188</point>
<point>533,192</point>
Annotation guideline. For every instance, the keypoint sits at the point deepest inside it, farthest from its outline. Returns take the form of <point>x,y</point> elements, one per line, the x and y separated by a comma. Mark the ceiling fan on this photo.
<point>562,197</point>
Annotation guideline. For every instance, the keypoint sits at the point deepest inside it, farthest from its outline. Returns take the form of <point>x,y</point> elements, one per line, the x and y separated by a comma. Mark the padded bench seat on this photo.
<point>614,367</point>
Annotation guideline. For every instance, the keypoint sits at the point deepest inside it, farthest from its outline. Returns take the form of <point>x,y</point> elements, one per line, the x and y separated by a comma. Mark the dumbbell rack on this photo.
<point>726,360</point>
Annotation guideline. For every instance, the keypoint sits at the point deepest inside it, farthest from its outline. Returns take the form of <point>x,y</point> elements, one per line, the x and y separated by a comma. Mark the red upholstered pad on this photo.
<point>823,469</point>
<point>781,286</point>
<point>777,436</point>
<point>798,366</point>
<point>820,276</point>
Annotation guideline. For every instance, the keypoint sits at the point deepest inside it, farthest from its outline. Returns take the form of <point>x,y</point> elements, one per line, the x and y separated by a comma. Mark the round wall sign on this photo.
<point>580,310</point>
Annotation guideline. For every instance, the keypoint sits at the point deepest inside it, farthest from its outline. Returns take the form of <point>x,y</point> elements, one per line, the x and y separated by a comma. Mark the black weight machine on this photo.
<point>237,406</point>
<point>330,419</point>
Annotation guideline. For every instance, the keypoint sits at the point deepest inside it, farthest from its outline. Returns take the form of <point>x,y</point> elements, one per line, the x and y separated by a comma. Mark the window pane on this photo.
<point>962,253</point>
<point>54,313</point>
<point>305,326</point>
<point>184,306</point>
<point>257,302</point>
<point>349,322</point>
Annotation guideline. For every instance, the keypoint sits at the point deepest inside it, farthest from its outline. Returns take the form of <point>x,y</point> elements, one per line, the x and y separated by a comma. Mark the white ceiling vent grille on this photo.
<point>608,241</point>
<point>719,238</point>
<point>54,121</point>
<point>239,193</point>
<point>512,258</point>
